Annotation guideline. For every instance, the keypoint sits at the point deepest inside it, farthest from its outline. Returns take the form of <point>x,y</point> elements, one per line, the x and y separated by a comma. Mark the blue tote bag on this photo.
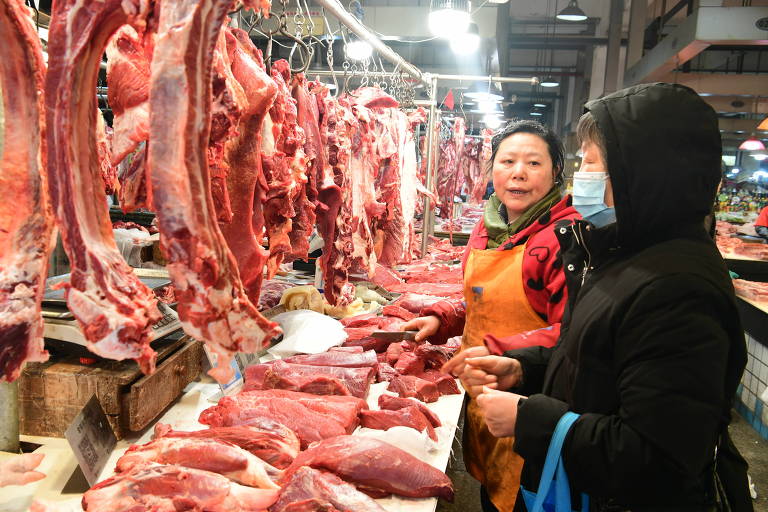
<point>554,492</point>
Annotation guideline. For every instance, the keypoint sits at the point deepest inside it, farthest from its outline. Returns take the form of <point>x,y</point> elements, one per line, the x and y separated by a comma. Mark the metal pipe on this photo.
<point>353,24</point>
<point>429,213</point>
<point>9,417</point>
<point>480,78</point>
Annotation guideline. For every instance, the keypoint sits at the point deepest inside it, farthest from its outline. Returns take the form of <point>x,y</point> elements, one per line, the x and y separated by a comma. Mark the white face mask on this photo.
<point>589,192</point>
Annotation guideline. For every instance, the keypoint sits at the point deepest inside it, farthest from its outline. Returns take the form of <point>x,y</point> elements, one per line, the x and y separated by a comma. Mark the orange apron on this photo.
<point>496,304</point>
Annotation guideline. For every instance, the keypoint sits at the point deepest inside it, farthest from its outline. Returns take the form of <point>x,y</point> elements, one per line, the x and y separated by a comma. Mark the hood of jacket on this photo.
<point>663,157</point>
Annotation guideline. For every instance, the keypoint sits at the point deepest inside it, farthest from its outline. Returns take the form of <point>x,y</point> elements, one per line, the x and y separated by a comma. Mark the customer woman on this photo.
<point>514,288</point>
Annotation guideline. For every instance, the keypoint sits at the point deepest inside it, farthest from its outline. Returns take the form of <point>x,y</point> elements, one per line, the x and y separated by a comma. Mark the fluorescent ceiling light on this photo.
<point>487,106</point>
<point>760,156</point>
<point>492,121</point>
<point>752,144</point>
<point>760,174</point>
<point>572,12</point>
<point>449,18</point>
<point>729,160</point>
<point>484,96</point>
<point>549,81</point>
<point>536,113</point>
<point>358,50</point>
<point>466,43</point>
<point>539,105</point>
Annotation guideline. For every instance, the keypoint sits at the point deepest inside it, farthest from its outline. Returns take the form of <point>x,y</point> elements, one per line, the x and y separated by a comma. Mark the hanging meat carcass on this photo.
<point>213,305</point>
<point>245,181</point>
<point>26,222</point>
<point>114,308</point>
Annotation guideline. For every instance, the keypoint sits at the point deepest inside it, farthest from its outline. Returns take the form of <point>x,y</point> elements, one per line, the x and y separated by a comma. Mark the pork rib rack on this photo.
<point>114,308</point>
<point>25,217</point>
<point>213,306</point>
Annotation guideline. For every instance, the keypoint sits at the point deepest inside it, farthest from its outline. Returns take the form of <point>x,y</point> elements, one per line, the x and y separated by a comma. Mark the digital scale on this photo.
<point>60,323</point>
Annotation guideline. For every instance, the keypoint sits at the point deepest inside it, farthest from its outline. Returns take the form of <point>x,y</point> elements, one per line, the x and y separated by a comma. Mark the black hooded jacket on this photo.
<point>651,349</point>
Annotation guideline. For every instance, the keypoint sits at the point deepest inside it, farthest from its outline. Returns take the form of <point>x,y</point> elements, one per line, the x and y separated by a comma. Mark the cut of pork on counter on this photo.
<point>311,490</point>
<point>213,306</point>
<point>26,222</point>
<point>114,308</point>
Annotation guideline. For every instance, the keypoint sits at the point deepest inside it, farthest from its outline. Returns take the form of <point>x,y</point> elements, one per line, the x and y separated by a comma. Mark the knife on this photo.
<point>395,335</point>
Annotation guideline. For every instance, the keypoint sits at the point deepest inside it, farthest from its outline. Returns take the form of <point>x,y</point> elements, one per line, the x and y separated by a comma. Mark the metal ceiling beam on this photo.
<point>707,26</point>
<point>736,125</point>
<point>557,42</point>
<point>721,84</point>
<point>748,105</point>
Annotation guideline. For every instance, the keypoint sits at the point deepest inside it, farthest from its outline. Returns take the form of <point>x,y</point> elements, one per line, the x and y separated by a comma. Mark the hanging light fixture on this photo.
<point>539,105</point>
<point>468,42</point>
<point>572,12</point>
<point>752,144</point>
<point>760,156</point>
<point>549,81</point>
<point>492,121</point>
<point>357,49</point>
<point>449,18</point>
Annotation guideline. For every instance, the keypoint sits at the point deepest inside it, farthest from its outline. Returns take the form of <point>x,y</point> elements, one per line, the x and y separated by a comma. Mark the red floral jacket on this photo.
<point>543,282</point>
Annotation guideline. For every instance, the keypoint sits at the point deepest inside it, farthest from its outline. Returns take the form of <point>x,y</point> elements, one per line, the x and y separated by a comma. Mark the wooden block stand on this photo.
<point>52,393</point>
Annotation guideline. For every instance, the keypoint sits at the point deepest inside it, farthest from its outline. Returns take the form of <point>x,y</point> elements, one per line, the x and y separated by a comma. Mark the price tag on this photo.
<point>236,382</point>
<point>91,438</point>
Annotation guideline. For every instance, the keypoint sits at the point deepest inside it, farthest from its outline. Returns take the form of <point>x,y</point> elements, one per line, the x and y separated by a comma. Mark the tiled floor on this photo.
<point>750,444</point>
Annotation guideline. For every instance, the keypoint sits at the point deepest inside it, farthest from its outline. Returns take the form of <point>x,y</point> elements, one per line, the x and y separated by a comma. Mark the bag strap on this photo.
<point>553,458</point>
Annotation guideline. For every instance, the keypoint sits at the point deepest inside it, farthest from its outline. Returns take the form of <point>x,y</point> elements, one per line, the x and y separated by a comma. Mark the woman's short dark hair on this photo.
<point>553,142</point>
<point>588,131</point>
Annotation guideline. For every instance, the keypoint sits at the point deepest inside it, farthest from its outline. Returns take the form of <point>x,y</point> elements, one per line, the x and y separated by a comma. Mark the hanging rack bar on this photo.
<point>352,23</point>
<point>498,79</point>
<point>428,220</point>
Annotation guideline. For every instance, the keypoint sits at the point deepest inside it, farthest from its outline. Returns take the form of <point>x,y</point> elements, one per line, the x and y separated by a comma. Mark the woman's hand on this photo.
<point>426,325</point>
<point>455,365</point>
<point>20,470</point>
<point>500,411</point>
<point>507,371</point>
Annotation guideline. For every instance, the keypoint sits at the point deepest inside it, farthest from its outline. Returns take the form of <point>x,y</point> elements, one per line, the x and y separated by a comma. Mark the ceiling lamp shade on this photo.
<point>468,42</point>
<point>763,124</point>
<point>492,121</point>
<point>358,50</point>
<point>549,81</point>
<point>752,144</point>
<point>449,18</point>
<point>760,156</point>
<point>572,12</point>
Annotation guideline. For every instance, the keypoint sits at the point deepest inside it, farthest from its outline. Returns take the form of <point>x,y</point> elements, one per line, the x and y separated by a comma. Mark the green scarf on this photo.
<point>495,217</point>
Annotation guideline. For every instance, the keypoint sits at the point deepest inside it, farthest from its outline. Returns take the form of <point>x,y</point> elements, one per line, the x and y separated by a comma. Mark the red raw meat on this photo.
<point>272,292</point>
<point>355,350</point>
<point>174,488</point>
<point>409,364</point>
<point>393,403</point>
<point>311,490</point>
<point>285,168</point>
<point>366,342</point>
<point>440,274</point>
<point>134,191</point>
<point>373,97</point>
<point>415,302</point>
<point>385,372</point>
<point>394,351</point>
<point>436,289</point>
<point>385,276</point>
<point>391,323</point>
<point>409,386</point>
<point>26,220</point>
<point>279,450</point>
<point>398,312</point>
<point>104,150</point>
<point>114,309</point>
<point>405,417</point>
<point>434,356</point>
<point>213,306</point>
<point>268,376</point>
<point>374,466</point>
<point>207,454</point>
<point>337,358</point>
<point>246,184</point>
<point>364,320</point>
<point>445,383</point>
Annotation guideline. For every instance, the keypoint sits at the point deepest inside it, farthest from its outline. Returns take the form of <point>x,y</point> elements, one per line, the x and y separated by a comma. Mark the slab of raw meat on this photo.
<point>134,190</point>
<point>26,221</point>
<point>393,403</point>
<point>373,97</point>
<point>445,383</point>
<point>405,417</point>
<point>364,320</point>
<point>104,150</point>
<point>213,306</point>
<point>129,53</point>
<point>434,356</point>
<point>271,293</point>
<point>394,351</point>
<point>398,312</point>
<point>436,289</point>
<point>278,450</point>
<point>385,372</point>
<point>245,179</point>
<point>267,376</point>
<point>213,455</point>
<point>114,309</point>
<point>312,490</point>
<point>285,167</point>
<point>409,364</point>
<point>414,302</point>
<point>354,350</point>
<point>438,274</point>
<point>374,466</point>
<point>336,358</point>
<point>385,276</point>
<point>174,488</point>
<point>366,342</point>
<point>311,417</point>
<point>409,386</point>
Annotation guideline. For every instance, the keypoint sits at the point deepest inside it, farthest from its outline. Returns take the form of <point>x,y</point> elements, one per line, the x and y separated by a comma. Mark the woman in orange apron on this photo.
<point>514,286</point>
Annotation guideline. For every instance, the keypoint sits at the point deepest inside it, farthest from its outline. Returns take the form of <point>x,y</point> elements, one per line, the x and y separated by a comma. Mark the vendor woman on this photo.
<point>514,286</point>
